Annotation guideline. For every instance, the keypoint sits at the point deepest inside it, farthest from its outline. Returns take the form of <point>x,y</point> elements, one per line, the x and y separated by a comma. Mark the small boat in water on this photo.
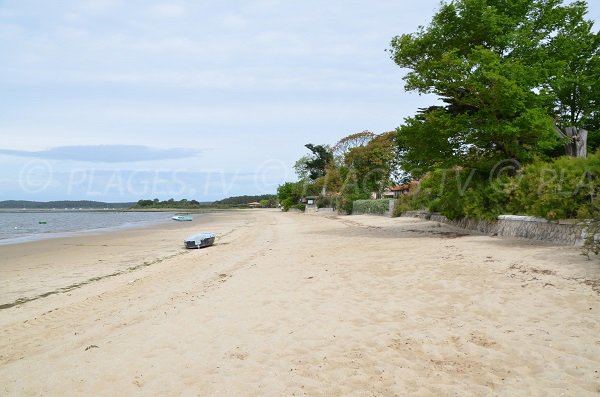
<point>182,218</point>
<point>200,240</point>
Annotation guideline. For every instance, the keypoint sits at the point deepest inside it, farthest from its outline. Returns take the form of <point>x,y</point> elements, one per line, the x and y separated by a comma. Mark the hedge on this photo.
<point>378,207</point>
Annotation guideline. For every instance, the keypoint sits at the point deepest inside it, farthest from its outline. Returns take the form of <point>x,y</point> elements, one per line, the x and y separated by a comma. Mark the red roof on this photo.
<point>406,186</point>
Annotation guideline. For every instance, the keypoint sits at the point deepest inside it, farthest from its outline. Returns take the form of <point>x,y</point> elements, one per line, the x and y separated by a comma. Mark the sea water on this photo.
<point>20,226</point>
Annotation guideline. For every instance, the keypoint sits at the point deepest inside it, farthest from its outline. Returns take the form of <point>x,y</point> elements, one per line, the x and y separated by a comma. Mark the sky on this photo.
<point>124,100</point>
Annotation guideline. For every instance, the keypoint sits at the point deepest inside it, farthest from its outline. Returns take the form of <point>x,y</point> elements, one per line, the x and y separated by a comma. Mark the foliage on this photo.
<point>558,189</point>
<point>373,164</point>
<point>379,207</point>
<point>563,188</point>
<point>289,194</point>
<point>301,167</point>
<point>406,202</point>
<point>572,79</point>
<point>443,191</point>
<point>351,190</point>
<point>316,165</point>
<point>493,63</point>
<point>327,201</point>
<point>300,207</point>
<point>331,182</point>
<point>347,143</point>
<point>366,163</point>
<point>237,200</point>
<point>170,203</point>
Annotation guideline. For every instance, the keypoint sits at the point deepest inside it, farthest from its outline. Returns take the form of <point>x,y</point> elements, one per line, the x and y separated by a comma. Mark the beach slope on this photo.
<point>293,304</point>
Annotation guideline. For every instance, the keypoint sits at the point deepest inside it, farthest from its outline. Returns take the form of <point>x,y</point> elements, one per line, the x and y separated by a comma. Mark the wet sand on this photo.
<point>291,304</point>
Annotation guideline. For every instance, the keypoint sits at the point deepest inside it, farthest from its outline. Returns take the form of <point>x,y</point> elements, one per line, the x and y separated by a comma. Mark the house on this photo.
<point>397,191</point>
<point>252,205</point>
<point>310,201</point>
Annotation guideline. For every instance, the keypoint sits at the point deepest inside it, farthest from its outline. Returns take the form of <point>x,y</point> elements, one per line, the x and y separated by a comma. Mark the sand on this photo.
<point>288,304</point>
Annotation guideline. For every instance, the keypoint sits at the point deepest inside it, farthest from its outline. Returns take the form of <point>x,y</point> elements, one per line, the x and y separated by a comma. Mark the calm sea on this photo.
<point>28,226</point>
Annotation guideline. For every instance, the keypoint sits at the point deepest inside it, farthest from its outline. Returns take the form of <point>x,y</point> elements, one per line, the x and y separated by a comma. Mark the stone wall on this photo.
<point>319,211</point>
<point>514,226</point>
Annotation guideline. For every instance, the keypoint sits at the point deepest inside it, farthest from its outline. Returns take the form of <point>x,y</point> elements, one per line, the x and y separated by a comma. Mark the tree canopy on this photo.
<point>315,165</point>
<point>502,69</point>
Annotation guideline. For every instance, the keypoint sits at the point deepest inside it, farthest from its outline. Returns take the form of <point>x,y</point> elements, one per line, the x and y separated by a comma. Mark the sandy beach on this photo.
<point>287,304</point>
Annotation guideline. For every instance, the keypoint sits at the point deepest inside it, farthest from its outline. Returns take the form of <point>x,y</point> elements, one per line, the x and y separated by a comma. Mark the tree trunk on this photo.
<point>577,145</point>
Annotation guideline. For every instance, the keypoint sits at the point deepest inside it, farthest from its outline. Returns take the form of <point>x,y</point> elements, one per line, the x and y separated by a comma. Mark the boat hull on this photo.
<point>201,240</point>
<point>182,218</point>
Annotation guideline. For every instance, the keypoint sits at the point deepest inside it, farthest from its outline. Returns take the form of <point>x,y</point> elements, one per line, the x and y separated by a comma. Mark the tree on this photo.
<point>301,167</point>
<point>289,194</point>
<point>427,141</point>
<point>344,145</point>
<point>488,61</point>
<point>144,203</point>
<point>331,182</point>
<point>573,80</point>
<point>316,165</point>
<point>373,164</point>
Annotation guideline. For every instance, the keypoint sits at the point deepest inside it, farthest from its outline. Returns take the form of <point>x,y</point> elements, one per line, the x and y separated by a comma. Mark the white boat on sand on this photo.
<point>182,218</point>
<point>200,240</point>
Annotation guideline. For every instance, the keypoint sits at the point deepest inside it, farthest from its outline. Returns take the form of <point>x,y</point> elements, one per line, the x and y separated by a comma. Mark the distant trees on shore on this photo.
<point>270,200</point>
<point>265,200</point>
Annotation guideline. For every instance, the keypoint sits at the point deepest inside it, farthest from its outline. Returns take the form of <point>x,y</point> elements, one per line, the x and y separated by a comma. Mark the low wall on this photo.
<point>514,226</point>
<point>319,211</point>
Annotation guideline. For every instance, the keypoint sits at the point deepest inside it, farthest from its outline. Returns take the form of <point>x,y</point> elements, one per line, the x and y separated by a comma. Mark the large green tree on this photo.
<point>315,165</point>
<point>373,165</point>
<point>572,79</point>
<point>489,62</point>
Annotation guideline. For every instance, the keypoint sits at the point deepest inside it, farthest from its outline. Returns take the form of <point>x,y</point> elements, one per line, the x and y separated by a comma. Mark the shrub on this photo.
<point>345,202</point>
<point>406,202</point>
<point>325,201</point>
<point>379,207</point>
<point>444,191</point>
<point>300,207</point>
<point>563,188</point>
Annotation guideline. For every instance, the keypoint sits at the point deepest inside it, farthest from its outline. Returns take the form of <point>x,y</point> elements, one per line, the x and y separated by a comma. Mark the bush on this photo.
<point>345,202</point>
<point>325,201</point>
<point>379,207</point>
<point>300,207</point>
<point>485,201</point>
<point>444,191</point>
<point>563,188</point>
<point>406,202</point>
<point>289,194</point>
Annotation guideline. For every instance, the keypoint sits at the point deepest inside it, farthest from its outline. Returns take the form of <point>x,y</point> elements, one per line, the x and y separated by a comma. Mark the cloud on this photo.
<point>234,22</point>
<point>105,153</point>
<point>168,10</point>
